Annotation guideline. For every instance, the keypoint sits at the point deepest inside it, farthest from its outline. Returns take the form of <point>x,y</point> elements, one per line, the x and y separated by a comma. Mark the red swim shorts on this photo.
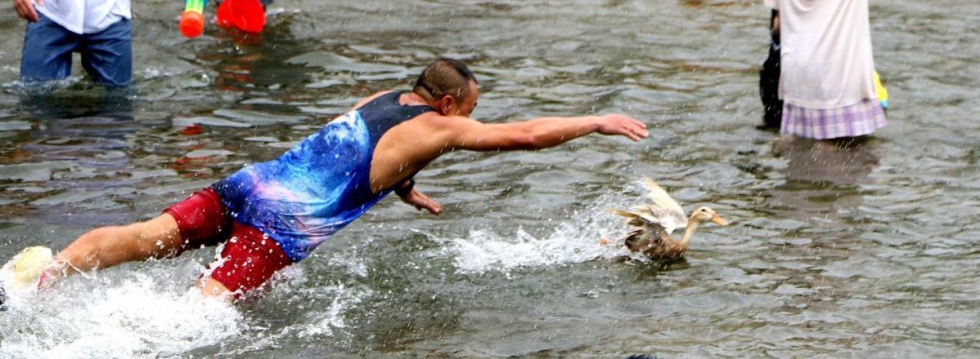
<point>249,258</point>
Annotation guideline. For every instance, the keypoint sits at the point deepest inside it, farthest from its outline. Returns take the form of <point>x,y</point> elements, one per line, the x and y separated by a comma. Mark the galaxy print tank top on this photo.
<point>320,185</point>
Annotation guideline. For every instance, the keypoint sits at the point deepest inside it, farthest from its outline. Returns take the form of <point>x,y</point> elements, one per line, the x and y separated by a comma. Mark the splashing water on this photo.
<point>323,323</point>
<point>573,241</point>
<point>152,309</point>
<point>137,316</point>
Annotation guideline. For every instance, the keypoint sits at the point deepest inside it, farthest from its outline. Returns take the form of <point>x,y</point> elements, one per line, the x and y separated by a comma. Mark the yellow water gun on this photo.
<point>881,91</point>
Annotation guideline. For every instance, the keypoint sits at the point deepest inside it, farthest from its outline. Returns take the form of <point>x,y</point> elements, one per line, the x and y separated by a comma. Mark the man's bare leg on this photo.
<point>211,288</point>
<point>109,246</point>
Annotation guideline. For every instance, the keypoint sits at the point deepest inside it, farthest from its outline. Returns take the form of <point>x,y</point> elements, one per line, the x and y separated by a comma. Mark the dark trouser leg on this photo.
<point>772,115</point>
<point>47,51</point>
<point>108,55</point>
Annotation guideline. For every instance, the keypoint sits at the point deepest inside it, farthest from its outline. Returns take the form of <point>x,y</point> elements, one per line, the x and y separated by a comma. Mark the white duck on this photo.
<point>658,219</point>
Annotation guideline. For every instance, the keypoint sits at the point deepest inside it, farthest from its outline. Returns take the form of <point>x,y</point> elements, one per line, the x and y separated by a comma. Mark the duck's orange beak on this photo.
<point>716,219</point>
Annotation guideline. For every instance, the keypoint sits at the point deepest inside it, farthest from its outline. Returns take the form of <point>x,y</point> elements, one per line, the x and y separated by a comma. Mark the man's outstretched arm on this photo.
<point>542,132</point>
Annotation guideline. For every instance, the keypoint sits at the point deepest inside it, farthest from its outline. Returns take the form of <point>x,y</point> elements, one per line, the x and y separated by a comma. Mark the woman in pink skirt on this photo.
<point>827,75</point>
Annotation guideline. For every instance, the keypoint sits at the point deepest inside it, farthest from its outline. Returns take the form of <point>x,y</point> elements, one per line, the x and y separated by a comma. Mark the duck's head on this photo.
<point>707,214</point>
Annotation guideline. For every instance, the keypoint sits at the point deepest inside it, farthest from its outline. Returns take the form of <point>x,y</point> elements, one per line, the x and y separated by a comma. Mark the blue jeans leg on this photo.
<point>107,56</point>
<point>47,51</point>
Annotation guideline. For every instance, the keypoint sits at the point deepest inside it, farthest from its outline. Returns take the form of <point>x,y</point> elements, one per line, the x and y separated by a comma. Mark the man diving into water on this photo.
<point>280,211</point>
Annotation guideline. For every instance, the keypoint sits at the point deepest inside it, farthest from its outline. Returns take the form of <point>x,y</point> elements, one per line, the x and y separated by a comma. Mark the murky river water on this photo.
<point>869,252</point>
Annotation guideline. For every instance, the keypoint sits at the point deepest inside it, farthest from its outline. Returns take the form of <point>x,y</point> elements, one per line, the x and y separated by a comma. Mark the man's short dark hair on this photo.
<point>444,77</point>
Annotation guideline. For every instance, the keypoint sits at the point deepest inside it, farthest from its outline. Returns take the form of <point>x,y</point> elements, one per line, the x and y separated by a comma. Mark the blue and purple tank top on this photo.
<point>319,186</point>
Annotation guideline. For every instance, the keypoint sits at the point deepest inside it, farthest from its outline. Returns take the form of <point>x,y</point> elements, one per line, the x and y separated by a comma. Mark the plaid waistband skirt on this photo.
<point>860,119</point>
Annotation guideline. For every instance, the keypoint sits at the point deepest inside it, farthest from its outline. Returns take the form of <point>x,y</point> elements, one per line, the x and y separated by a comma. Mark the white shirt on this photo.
<point>826,56</point>
<point>85,16</point>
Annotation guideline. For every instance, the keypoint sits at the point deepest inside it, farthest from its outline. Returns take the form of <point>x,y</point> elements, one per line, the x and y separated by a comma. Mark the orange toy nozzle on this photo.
<point>191,23</point>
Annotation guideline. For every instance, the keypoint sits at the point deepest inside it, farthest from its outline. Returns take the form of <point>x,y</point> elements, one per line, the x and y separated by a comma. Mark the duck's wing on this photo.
<point>643,219</point>
<point>667,212</point>
<point>637,217</point>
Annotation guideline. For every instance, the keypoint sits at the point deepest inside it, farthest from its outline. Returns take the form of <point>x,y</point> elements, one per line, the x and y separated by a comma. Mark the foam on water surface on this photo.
<point>574,240</point>
<point>98,317</point>
<point>152,309</point>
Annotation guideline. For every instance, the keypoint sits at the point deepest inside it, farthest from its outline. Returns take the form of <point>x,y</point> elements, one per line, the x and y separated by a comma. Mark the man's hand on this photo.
<point>420,201</point>
<point>622,125</point>
<point>25,9</point>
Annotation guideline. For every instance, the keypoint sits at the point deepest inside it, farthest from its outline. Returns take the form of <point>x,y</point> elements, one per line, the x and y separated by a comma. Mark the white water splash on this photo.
<point>347,258</point>
<point>323,323</point>
<point>138,316</point>
<point>152,309</point>
<point>574,240</point>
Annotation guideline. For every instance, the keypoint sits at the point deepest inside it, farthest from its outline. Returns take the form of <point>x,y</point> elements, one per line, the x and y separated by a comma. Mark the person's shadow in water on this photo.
<point>90,128</point>
<point>83,138</point>
<point>822,176</point>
